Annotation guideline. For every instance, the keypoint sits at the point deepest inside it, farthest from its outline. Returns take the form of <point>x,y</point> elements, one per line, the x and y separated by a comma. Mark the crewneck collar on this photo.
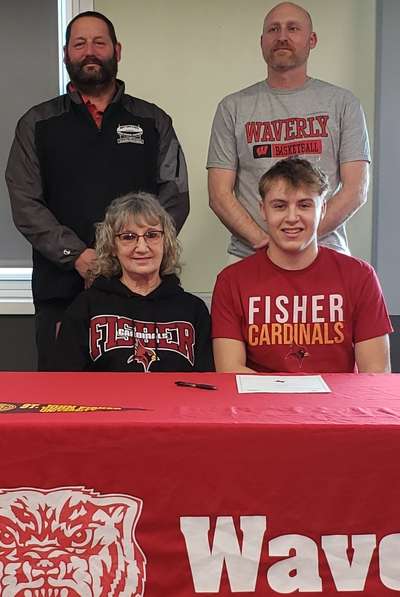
<point>283,91</point>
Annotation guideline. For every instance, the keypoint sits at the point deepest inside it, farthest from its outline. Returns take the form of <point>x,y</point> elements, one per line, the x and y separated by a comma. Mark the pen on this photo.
<point>191,384</point>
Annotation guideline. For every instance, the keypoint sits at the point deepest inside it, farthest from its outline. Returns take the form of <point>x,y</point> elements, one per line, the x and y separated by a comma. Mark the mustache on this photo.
<point>279,45</point>
<point>91,60</point>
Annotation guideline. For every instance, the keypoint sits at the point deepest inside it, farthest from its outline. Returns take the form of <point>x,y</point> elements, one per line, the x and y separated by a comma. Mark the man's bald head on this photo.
<point>297,10</point>
<point>286,41</point>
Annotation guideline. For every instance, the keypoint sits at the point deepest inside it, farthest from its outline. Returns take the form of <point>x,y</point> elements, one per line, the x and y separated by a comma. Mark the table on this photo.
<point>205,492</point>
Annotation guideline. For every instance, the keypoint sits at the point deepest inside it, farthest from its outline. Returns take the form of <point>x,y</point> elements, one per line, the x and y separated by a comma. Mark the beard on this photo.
<point>282,61</point>
<point>287,59</point>
<point>92,80</point>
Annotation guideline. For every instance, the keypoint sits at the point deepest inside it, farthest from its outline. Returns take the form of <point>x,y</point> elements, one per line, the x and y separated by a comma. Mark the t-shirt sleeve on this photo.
<point>371,318</point>
<point>354,143</point>
<point>226,317</point>
<point>222,151</point>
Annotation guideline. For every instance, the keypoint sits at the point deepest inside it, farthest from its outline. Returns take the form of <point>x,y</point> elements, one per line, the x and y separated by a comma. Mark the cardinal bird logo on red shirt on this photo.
<point>143,355</point>
<point>298,352</point>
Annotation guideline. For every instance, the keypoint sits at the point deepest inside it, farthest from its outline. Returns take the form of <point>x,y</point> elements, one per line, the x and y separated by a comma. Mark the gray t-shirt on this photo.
<point>257,126</point>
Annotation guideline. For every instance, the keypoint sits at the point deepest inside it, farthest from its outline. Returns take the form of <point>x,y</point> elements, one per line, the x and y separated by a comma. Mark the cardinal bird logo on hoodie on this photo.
<point>143,355</point>
<point>145,341</point>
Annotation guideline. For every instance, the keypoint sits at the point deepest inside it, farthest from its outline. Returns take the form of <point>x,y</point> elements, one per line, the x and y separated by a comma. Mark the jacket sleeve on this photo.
<point>203,360</point>
<point>173,190</point>
<point>30,213</point>
<point>72,345</point>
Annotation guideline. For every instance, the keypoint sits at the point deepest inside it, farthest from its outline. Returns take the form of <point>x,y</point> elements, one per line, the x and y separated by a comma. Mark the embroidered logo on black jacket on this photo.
<point>130,133</point>
<point>145,340</point>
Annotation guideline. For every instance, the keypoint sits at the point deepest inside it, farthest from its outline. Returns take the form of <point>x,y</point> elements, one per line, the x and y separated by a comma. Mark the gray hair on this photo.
<point>143,208</point>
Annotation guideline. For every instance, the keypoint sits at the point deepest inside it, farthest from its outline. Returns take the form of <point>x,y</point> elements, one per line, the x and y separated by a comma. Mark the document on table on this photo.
<point>281,384</point>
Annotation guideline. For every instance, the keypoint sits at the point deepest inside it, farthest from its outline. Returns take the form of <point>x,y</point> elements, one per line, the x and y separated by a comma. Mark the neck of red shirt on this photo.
<point>96,104</point>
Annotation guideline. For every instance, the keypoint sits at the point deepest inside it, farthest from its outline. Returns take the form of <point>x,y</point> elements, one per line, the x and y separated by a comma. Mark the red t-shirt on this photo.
<point>299,320</point>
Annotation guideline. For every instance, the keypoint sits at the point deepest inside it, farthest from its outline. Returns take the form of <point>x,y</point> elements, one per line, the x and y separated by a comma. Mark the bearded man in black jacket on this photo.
<point>72,156</point>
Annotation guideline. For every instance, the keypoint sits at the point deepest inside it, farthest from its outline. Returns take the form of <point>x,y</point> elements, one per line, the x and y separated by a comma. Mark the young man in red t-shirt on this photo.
<point>294,306</point>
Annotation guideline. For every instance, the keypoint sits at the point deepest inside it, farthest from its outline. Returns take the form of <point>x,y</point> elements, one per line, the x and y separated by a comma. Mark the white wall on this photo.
<point>185,55</point>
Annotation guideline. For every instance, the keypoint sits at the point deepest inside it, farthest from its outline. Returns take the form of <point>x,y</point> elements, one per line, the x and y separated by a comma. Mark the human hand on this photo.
<point>84,265</point>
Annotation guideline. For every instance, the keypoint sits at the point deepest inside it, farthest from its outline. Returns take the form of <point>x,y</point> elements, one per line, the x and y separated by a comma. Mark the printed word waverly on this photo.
<point>298,570</point>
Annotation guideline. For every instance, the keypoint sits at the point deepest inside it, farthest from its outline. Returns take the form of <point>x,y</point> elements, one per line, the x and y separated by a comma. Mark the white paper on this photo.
<point>281,384</point>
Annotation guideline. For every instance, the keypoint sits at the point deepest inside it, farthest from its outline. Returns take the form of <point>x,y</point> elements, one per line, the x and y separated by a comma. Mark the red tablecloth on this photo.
<point>204,492</point>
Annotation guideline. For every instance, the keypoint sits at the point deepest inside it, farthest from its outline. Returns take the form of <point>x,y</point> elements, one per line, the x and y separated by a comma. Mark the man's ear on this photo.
<point>65,54</point>
<point>313,40</point>
<point>323,209</point>
<point>262,210</point>
<point>117,50</point>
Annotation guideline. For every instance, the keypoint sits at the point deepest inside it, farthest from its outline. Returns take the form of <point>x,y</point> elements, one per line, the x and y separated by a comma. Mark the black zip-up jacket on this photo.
<point>110,328</point>
<point>63,172</point>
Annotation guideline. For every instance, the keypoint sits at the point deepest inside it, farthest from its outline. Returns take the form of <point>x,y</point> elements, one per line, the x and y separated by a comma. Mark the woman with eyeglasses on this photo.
<point>135,316</point>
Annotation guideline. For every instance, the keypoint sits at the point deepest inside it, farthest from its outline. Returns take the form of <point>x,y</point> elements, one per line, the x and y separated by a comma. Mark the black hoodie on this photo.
<point>110,328</point>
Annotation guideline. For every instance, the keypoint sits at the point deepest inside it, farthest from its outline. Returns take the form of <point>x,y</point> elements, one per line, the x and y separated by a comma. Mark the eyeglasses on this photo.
<point>151,237</point>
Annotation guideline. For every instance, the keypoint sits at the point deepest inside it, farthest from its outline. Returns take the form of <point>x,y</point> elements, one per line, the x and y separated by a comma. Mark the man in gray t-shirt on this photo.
<point>288,114</point>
